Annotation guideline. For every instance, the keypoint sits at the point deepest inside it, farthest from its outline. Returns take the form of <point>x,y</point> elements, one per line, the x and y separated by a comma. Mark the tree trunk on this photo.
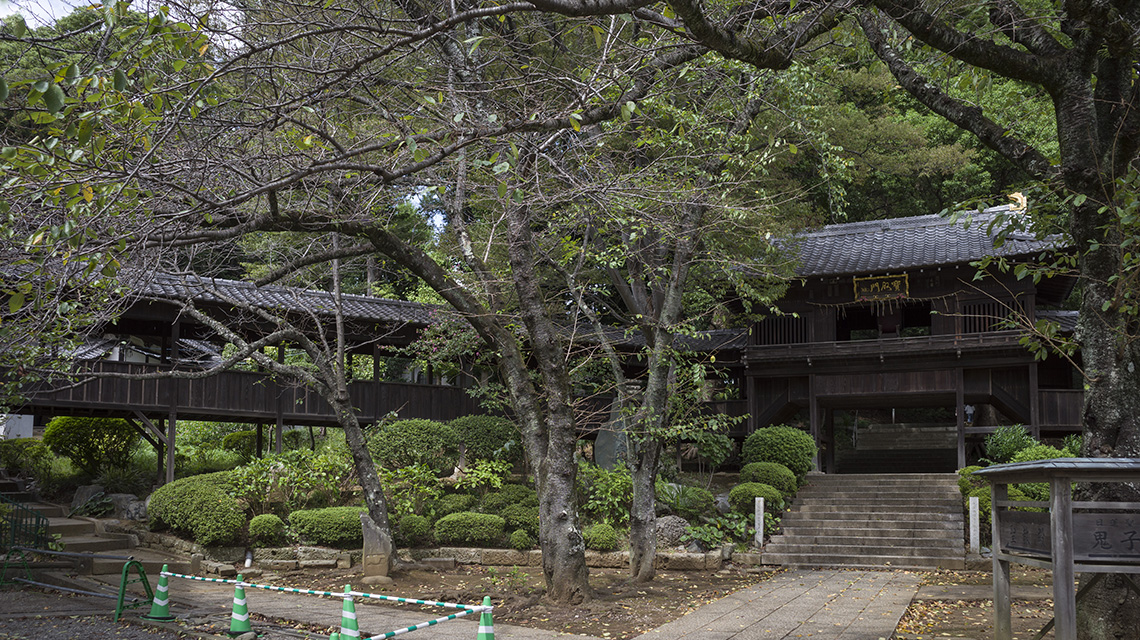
<point>643,510</point>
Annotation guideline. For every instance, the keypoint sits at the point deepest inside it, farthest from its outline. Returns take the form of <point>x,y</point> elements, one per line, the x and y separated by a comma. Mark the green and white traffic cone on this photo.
<point>486,625</point>
<point>160,607</point>
<point>348,628</point>
<point>239,620</point>
<point>334,636</point>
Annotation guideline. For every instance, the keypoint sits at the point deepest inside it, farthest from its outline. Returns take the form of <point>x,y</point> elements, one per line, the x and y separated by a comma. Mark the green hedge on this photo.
<point>770,473</point>
<point>688,502</point>
<point>266,530</point>
<point>414,529</point>
<point>1005,442</point>
<point>92,443</point>
<point>742,497</point>
<point>600,537</point>
<point>489,438</point>
<point>24,455</point>
<point>521,540</point>
<point>408,442</point>
<point>786,445</point>
<point>454,503</point>
<point>509,494</point>
<point>200,507</point>
<point>1037,490</point>
<point>331,527</point>
<point>967,482</point>
<point>517,516</point>
<point>468,527</point>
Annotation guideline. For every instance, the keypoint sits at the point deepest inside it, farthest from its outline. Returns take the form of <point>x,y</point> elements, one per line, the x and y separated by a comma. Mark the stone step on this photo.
<point>71,527</point>
<point>881,538</point>
<point>152,562</point>
<point>931,506</point>
<point>863,551</point>
<point>19,496</point>
<point>120,544</point>
<point>880,479</point>
<point>846,560</point>
<point>47,510</point>
<point>920,536</point>
<point>902,520</point>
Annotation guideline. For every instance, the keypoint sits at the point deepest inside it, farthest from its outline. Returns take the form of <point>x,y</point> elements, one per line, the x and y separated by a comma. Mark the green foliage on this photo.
<point>688,502</point>
<point>244,443</point>
<point>128,479</point>
<point>410,489</point>
<point>521,540</point>
<point>509,494</point>
<point>484,475</point>
<point>605,494</point>
<point>92,443</point>
<point>785,445</point>
<point>742,497</point>
<point>414,529</point>
<point>770,473</point>
<point>1074,442</point>
<point>967,482</point>
<point>266,530</point>
<point>200,507</point>
<point>195,462</point>
<point>468,527</point>
<point>729,528</point>
<point>24,456</point>
<point>600,537</point>
<point>454,503</point>
<point>1036,490</point>
<point>329,527</point>
<point>294,479</point>
<point>489,438</point>
<point>1004,443</point>
<point>518,516</point>
<point>407,442</point>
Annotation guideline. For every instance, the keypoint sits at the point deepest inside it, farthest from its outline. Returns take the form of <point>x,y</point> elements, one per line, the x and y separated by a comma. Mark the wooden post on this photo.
<point>813,419</point>
<point>1034,402</point>
<point>1003,629</point>
<point>960,412</point>
<point>1061,523</point>
<point>171,427</point>
<point>829,438</point>
<point>278,428</point>
<point>259,441</point>
<point>172,418</point>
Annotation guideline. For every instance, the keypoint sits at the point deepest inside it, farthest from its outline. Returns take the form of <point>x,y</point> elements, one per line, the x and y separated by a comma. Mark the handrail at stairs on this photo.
<point>21,526</point>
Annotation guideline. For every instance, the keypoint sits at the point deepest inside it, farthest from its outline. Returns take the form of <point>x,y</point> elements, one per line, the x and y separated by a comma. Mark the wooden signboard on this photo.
<point>1097,537</point>
<point>882,287</point>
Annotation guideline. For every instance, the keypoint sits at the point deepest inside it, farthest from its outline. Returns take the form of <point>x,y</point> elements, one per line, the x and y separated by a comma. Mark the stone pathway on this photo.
<point>823,604</point>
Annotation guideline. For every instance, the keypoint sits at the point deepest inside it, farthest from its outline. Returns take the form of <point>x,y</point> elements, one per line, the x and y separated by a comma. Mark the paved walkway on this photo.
<point>820,604</point>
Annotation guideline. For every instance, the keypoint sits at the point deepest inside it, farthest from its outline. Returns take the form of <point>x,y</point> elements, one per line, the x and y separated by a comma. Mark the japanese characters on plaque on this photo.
<point>1096,536</point>
<point>882,287</point>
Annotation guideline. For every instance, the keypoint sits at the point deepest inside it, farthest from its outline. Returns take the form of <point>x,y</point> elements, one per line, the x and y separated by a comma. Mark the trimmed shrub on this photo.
<point>414,529</point>
<point>24,455</point>
<point>786,445</point>
<point>1036,490</point>
<point>967,482</point>
<point>266,530</point>
<point>407,442</point>
<point>200,507</point>
<point>770,473</point>
<point>489,438</point>
<point>600,537</point>
<point>507,495</point>
<point>243,443</point>
<point>521,540</point>
<point>1004,443</point>
<point>92,443</point>
<point>454,503</point>
<point>517,516</point>
<point>331,527</point>
<point>468,527</point>
<point>685,501</point>
<point>742,497</point>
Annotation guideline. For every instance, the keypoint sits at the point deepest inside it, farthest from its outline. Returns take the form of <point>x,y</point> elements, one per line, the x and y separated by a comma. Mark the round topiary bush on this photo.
<point>200,507</point>
<point>770,473</point>
<point>600,537</point>
<point>509,494</point>
<point>489,438</point>
<point>454,503</point>
<point>521,540</point>
<point>91,443</point>
<point>519,517</point>
<point>408,442</point>
<point>331,527</point>
<point>967,482</point>
<point>786,445</point>
<point>244,443</point>
<point>468,527</point>
<point>266,530</point>
<point>742,497</point>
<point>1036,490</point>
<point>414,529</point>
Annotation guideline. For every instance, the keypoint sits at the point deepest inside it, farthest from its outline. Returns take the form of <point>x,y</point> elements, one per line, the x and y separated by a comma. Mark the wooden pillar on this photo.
<point>279,427</point>
<point>172,417</point>
<point>960,413</point>
<point>1034,402</point>
<point>171,427</point>
<point>829,438</point>
<point>160,458</point>
<point>1064,594</point>
<point>814,420</point>
<point>1003,629</point>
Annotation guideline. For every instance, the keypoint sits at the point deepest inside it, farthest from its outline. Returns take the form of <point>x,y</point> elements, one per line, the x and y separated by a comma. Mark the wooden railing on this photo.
<point>246,396</point>
<point>883,346</point>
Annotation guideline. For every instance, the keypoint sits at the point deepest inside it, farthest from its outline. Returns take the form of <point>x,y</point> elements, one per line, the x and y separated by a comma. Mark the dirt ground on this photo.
<point>620,610</point>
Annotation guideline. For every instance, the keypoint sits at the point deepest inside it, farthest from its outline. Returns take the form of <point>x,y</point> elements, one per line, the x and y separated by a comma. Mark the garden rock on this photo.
<point>84,494</point>
<point>317,554</point>
<point>127,506</point>
<point>683,561</point>
<point>504,557</point>
<point>722,504</point>
<point>670,529</point>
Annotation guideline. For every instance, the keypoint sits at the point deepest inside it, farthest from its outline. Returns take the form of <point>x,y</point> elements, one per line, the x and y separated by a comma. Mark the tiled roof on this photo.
<point>292,299</point>
<point>1066,319</point>
<point>907,243</point>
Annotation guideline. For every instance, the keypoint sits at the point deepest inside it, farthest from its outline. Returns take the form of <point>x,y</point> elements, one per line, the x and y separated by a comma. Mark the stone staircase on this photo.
<point>896,520</point>
<point>903,448</point>
<point>83,535</point>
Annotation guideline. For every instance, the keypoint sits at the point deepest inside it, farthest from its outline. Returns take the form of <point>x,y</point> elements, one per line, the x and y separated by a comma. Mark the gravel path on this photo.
<point>35,615</point>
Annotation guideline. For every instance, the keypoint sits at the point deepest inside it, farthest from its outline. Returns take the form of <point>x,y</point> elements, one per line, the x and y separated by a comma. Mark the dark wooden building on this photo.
<point>890,316</point>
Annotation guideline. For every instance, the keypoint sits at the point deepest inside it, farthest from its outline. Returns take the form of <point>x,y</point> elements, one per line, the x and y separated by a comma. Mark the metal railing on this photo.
<point>21,526</point>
